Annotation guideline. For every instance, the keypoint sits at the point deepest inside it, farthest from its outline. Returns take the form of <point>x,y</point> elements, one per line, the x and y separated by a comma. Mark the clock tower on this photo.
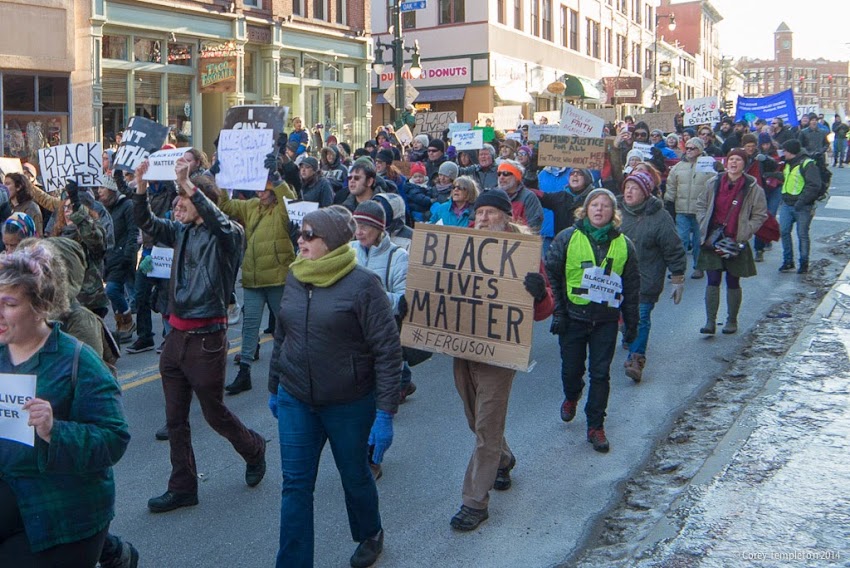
<point>783,44</point>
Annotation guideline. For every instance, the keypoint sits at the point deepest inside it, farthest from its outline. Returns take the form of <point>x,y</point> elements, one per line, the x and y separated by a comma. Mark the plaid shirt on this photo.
<point>64,489</point>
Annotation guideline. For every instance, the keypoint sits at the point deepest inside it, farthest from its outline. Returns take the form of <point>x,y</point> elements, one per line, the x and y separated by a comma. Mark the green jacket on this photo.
<point>92,238</point>
<point>65,490</point>
<point>268,250</point>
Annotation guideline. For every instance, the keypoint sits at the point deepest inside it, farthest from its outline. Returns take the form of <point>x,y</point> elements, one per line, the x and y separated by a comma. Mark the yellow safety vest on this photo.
<point>794,180</point>
<point>580,257</point>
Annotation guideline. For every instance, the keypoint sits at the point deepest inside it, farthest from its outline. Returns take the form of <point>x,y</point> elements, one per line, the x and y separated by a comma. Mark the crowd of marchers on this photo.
<point>334,286</point>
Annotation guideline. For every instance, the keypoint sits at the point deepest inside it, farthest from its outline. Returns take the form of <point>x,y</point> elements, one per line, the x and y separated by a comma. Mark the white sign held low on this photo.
<point>162,258</point>
<point>242,153</point>
<point>299,209</point>
<point>705,165</point>
<point>162,164</point>
<point>15,391</point>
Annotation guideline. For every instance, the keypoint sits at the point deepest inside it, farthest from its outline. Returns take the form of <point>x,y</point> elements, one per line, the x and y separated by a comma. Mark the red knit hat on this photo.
<point>417,168</point>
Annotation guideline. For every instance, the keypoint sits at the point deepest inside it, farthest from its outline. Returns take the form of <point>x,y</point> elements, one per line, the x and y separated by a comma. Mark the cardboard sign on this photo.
<point>669,103</point>
<point>258,117</point>
<point>404,135</point>
<point>705,110</point>
<point>506,117</point>
<point>162,258</point>
<point>488,132</point>
<point>606,114</point>
<point>15,391</point>
<point>10,166</point>
<point>469,140</point>
<point>580,123</point>
<point>551,116</point>
<point>141,138</point>
<point>433,123</point>
<point>82,163</point>
<point>663,121</point>
<point>459,127</point>
<point>242,153</point>
<point>162,164</point>
<point>536,130</point>
<point>465,294</point>
<point>298,209</point>
<point>572,151</point>
<point>645,148</point>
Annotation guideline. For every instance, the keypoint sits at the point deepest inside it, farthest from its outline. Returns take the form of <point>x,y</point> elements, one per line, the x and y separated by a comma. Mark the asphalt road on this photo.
<point>561,486</point>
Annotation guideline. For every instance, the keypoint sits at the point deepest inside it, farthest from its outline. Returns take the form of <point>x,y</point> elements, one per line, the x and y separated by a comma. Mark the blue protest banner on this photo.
<point>779,105</point>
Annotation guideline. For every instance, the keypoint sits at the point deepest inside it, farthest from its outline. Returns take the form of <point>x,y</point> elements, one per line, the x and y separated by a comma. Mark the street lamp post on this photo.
<point>670,26</point>
<point>398,48</point>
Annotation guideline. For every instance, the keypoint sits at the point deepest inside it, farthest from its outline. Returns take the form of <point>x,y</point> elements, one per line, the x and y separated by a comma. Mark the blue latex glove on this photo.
<point>273,404</point>
<point>381,435</point>
<point>146,265</point>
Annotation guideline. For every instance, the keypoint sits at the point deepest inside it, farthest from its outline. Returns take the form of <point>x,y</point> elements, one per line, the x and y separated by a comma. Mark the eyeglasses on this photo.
<point>308,235</point>
<point>502,174</point>
<point>432,150</point>
<point>522,153</point>
<point>455,186</point>
<point>355,178</point>
<point>641,135</point>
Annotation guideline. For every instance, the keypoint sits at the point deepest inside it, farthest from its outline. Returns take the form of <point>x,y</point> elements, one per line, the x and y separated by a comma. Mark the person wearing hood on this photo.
<point>315,187</point>
<point>684,186</point>
<point>388,172</point>
<point>436,158</point>
<point>417,193</point>
<point>120,261</point>
<point>21,192</point>
<point>562,203</point>
<point>395,213</point>
<point>332,169</point>
<point>633,158</point>
<point>485,172</point>
<point>457,212</point>
<point>659,249</point>
<point>800,191</point>
<point>418,151</point>
<point>442,185</point>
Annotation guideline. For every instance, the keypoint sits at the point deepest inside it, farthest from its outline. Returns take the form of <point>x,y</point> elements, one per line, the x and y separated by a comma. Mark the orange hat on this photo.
<point>507,166</point>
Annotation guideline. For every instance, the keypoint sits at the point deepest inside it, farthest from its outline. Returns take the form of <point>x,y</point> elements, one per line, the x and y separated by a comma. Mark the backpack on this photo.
<point>825,176</point>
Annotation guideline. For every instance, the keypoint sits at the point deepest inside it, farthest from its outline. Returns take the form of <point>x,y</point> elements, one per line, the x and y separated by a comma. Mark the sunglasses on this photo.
<point>308,235</point>
<point>355,178</point>
<point>503,174</point>
<point>691,148</point>
<point>641,135</point>
<point>432,150</point>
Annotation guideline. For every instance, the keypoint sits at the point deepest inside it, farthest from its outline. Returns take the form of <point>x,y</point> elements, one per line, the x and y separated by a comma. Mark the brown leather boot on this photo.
<point>125,326</point>
<point>634,367</point>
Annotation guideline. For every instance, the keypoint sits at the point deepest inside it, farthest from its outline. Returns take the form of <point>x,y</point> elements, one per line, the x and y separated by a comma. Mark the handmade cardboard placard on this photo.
<point>256,117</point>
<point>79,162</point>
<point>141,138</point>
<point>465,294</point>
<point>705,110</point>
<point>669,103</point>
<point>506,117</point>
<point>162,258</point>
<point>433,123</point>
<point>242,153</point>
<point>404,135</point>
<point>162,164</point>
<point>469,140</point>
<point>606,114</point>
<point>15,391</point>
<point>572,151</point>
<point>663,121</point>
<point>580,123</point>
<point>298,210</point>
<point>10,166</point>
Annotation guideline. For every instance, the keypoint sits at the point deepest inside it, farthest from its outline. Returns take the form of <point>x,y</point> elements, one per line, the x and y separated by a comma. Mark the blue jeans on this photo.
<point>838,146</point>
<point>116,295</point>
<point>788,215</point>
<point>639,344</point>
<point>774,198</point>
<point>303,430</point>
<point>593,343</point>
<point>254,299</point>
<point>688,228</point>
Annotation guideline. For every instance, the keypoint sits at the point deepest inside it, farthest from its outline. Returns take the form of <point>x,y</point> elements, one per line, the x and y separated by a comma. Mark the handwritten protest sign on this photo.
<point>536,130</point>
<point>514,136</point>
<point>805,110</point>
<point>162,258</point>
<point>644,148</point>
<point>242,153</point>
<point>162,164</point>
<point>469,140</point>
<point>15,391</point>
<point>298,209</point>
<point>141,138</point>
<point>459,127</point>
<point>10,166</point>
<point>256,117</point>
<point>551,116</point>
<point>663,121</point>
<point>404,135</point>
<point>506,117</point>
<point>572,151</point>
<point>705,110</point>
<point>433,123</point>
<point>466,297</point>
<point>580,123</point>
<point>705,165</point>
<point>82,163</point>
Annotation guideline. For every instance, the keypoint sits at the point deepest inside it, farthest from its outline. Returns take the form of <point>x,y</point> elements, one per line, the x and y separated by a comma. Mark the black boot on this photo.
<point>242,382</point>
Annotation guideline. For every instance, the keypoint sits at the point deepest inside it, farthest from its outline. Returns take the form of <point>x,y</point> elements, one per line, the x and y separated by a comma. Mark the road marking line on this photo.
<point>838,202</point>
<point>832,219</point>
<point>155,377</point>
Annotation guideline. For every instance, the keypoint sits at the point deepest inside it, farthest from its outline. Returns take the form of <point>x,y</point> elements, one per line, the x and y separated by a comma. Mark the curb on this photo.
<point>834,305</point>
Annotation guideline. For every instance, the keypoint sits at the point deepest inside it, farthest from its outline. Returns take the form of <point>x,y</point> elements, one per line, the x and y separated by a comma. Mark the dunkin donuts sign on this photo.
<point>435,73</point>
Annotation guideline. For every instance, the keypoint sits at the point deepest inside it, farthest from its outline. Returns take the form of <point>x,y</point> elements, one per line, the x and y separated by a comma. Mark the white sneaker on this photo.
<point>234,314</point>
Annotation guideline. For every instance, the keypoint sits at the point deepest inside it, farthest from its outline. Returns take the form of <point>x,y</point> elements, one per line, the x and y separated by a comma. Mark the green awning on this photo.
<point>581,88</point>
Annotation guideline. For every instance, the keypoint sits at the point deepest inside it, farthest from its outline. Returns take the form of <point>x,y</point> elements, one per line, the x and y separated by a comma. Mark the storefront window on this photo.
<point>19,92</point>
<point>114,47</point>
<point>34,114</point>
<point>148,87</point>
<point>52,94</point>
<point>250,78</point>
<point>349,115</point>
<point>331,73</point>
<point>287,99</point>
<point>24,134</point>
<point>312,106</point>
<point>349,74</point>
<point>114,84</point>
<point>287,66</point>
<point>311,69</point>
<point>180,54</point>
<point>147,50</point>
<point>180,103</point>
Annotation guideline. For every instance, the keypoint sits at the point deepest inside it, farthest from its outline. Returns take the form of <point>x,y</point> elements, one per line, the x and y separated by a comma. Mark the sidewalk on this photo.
<point>775,490</point>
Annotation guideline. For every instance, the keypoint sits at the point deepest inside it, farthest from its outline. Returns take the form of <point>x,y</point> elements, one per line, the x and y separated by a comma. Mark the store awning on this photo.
<point>514,95</point>
<point>434,96</point>
<point>581,88</point>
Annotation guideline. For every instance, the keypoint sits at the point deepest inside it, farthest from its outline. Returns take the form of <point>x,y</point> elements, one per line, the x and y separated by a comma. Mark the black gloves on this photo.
<point>535,285</point>
<point>629,335</point>
<point>73,191</point>
<point>402,308</point>
<point>215,168</point>
<point>558,325</point>
<point>270,162</point>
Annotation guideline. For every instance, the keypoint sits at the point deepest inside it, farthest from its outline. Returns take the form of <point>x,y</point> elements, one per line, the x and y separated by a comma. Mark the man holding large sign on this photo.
<point>473,294</point>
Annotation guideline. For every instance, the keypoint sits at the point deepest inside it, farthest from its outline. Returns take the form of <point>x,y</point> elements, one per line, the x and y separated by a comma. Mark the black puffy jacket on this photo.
<point>119,264</point>
<point>336,344</point>
<point>206,257</point>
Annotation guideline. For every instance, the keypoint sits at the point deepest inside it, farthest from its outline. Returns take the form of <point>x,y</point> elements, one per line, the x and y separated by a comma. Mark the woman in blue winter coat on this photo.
<point>456,212</point>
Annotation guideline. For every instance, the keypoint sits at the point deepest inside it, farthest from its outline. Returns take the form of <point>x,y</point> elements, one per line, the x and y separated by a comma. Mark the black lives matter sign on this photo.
<point>466,297</point>
<point>81,163</point>
<point>141,138</point>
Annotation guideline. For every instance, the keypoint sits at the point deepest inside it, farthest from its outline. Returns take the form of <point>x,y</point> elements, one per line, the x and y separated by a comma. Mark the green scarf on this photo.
<point>325,271</point>
<point>598,234</point>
